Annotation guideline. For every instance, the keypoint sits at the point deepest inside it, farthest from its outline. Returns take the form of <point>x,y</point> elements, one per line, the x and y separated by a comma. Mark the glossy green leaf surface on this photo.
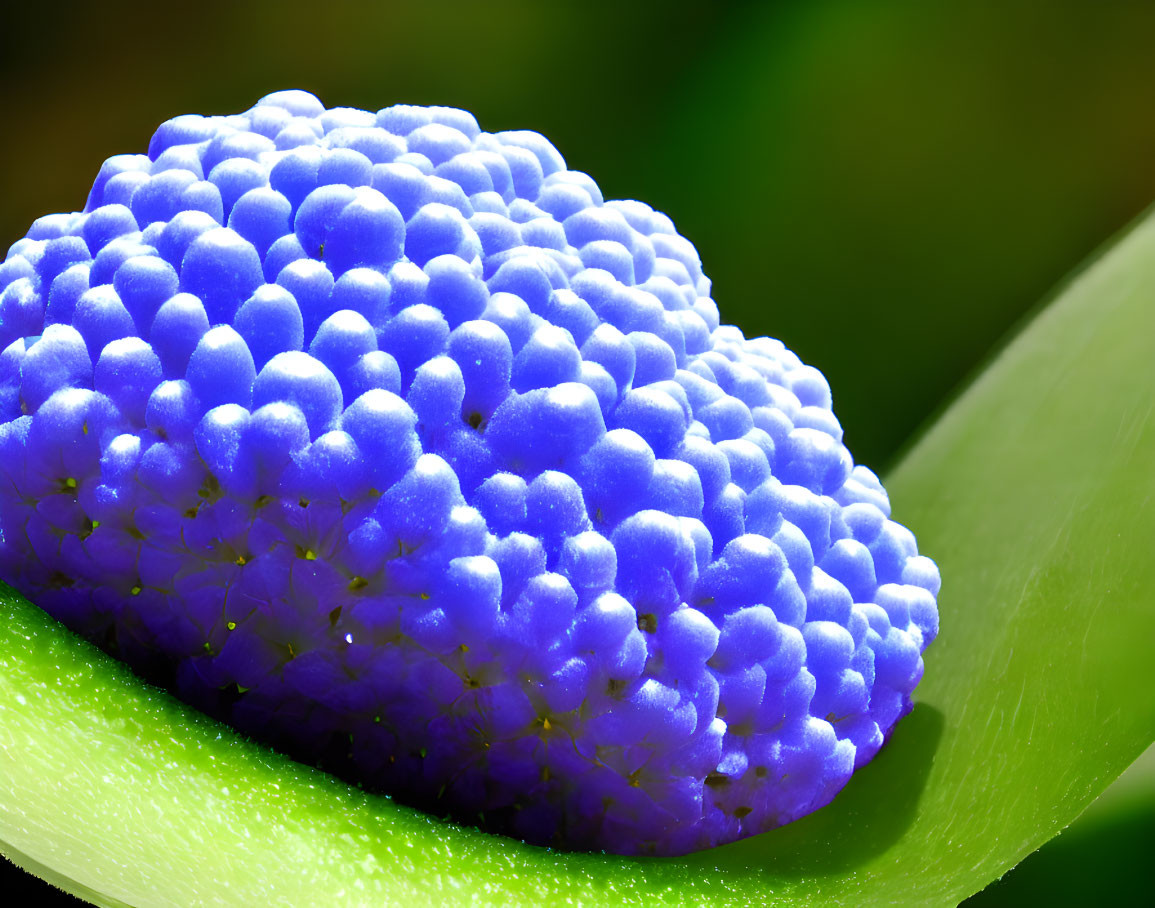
<point>1035,491</point>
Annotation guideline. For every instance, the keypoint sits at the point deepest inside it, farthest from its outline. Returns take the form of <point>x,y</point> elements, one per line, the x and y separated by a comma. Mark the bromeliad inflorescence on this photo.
<point>394,444</point>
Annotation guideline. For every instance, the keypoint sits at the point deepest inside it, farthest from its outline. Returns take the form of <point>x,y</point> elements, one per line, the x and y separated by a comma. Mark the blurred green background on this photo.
<point>888,187</point>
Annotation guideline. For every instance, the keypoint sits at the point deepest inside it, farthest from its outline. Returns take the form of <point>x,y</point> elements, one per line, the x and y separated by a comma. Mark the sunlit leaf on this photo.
<point>1104,858</point>
<point>1036,493</point>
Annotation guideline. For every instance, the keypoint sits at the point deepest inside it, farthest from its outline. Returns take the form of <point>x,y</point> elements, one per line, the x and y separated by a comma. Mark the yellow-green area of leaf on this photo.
<point>1035,491</point>
<point>1103,858</point>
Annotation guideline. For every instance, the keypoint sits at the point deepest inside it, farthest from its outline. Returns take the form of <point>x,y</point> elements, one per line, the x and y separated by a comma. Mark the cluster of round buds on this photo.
<point>393,443</point>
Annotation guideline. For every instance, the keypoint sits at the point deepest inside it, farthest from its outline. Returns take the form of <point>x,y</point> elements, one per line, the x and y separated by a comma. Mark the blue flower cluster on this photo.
<point>393,443</point>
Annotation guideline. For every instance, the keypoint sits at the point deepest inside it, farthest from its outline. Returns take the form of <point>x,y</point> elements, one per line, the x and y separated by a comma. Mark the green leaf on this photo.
<point>1036,493</point>
<point>1104,858</point>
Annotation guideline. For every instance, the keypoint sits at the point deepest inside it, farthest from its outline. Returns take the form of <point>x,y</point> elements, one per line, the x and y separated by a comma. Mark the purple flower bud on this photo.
<point>412,455</point>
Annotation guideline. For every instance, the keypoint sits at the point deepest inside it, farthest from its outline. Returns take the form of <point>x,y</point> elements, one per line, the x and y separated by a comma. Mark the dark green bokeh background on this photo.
<point>887,187</point>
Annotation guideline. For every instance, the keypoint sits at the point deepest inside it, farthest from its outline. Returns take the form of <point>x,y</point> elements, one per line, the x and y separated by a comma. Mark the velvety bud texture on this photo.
<point>394,444</point>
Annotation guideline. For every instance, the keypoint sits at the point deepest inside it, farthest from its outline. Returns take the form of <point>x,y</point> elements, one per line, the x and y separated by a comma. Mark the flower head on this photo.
<point>393,443</point>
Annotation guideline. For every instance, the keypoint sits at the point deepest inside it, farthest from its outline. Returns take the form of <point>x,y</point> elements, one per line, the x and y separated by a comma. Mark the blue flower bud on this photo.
<point>409,452</point>
<point>301,380</point>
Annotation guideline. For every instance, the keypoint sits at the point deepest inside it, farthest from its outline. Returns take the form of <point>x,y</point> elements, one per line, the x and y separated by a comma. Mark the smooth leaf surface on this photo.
<point>1103,858</point>
<point>1035,491</point>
